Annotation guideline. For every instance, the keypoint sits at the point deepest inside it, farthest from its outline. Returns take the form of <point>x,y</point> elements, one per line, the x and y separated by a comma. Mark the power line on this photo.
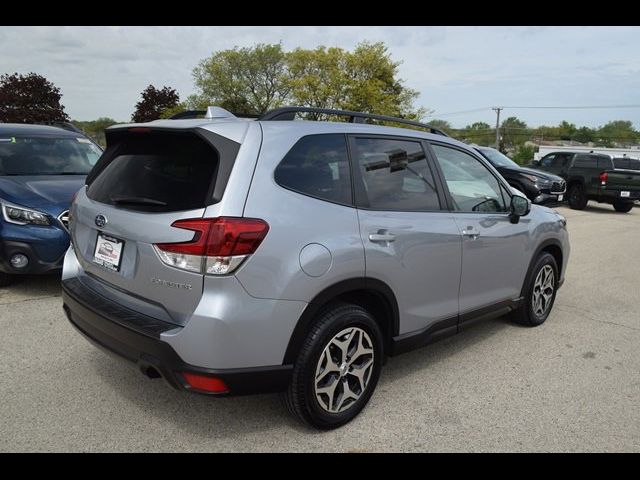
<point>576,107</point>
<point>435,114</point>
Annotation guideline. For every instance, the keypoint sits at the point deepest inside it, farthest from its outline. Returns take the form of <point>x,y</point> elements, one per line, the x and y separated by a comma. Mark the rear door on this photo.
<point>411,243</point>
<point>145,181</point>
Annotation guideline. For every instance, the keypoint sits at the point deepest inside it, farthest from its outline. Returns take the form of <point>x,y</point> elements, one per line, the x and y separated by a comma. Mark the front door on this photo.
<point>494,250</point>
<point>411,243</point>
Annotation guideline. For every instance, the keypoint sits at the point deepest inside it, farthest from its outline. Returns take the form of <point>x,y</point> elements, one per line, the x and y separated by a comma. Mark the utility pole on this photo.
<point>497,110</point>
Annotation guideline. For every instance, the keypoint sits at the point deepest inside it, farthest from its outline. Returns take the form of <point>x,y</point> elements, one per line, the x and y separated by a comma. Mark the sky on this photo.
<point>101,71</point>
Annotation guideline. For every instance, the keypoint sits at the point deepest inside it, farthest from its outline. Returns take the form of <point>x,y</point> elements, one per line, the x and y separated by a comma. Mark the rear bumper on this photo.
<point>610,196</point>
<point>136,338</point>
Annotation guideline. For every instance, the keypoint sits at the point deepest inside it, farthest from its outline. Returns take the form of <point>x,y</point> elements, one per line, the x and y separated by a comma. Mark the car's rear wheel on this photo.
<point>623,207</point>
<point>6,279</point>
<point>337,369</point>
<point>577,197</point>
<point>539,292</point>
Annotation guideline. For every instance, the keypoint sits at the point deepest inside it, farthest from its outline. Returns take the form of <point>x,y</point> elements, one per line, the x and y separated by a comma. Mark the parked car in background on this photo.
<point>592,176</point>
<point>294,256</point>
<point>540,187</point>
<point>41,168</point>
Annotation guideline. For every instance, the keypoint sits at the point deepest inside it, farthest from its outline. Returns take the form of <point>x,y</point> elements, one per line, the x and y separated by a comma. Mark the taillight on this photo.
<point>218,247</point>
<point>604,176</point>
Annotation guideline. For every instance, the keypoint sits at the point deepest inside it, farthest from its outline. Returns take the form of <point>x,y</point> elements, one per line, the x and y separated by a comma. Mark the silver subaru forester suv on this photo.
<point>232,256</point>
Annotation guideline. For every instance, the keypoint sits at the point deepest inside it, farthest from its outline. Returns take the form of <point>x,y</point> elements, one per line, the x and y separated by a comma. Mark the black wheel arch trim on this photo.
<point>343,287</point>
<point>544,245</point>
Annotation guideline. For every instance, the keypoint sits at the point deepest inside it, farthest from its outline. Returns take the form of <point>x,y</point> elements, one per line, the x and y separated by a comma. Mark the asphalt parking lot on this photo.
<point>571,385</point>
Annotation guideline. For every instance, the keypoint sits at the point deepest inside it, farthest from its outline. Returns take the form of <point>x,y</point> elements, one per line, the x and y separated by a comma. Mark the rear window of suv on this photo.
<point>157,172</point>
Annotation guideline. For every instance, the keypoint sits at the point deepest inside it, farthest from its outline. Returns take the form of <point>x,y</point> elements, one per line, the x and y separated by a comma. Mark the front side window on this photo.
<point>472,186</point>
<point>317,166</point>
<point>548,161</point>
<point>395,175</point>
<point>47,155</point>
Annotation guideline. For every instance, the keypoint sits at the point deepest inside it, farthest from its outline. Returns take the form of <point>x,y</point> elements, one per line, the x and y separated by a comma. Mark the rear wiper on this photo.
<point>130,200</point>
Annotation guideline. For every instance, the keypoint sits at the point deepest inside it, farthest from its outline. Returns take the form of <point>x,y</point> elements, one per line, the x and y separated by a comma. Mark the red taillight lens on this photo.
<point>205,383</point>
<point>604,176</point>
<point>219,237</point>
<point>218,246</point>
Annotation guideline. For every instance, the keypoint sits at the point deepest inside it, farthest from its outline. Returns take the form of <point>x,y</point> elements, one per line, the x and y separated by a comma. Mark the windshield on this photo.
<point>497,159</point>
<point>47,155</point>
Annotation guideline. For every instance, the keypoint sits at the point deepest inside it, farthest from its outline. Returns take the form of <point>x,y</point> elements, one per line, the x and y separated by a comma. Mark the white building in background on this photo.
<point>631,152</point>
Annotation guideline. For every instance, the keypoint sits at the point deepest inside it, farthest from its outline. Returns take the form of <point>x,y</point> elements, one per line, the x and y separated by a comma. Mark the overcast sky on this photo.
<point>102,70</point>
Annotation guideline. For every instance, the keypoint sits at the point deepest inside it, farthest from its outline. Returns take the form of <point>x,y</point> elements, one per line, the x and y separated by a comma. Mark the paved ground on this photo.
<point>571,385</point>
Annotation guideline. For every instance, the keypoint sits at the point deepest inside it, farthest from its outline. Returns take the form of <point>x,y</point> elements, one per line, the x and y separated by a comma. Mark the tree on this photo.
<point>95,128</point>
<point>617,132</point>
<point>524,154</point>
<point>154,102</point>
<point>363,80</point>
<point>480,133</point>
<point>257,79</point>
<point>584,135</point>
<point>441,124</point>
<point>566,130</point>
<point>513,131</point>
<point>244,80</point>
<point>30,98</point>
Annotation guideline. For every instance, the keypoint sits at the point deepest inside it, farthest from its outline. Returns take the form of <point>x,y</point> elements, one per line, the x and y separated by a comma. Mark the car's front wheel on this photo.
<point>623,207</point>
<point>337,369</point>
<point>539,292</point>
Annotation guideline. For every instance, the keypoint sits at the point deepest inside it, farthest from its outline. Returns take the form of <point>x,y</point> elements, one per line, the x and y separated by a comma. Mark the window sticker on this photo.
<point>83,140</point>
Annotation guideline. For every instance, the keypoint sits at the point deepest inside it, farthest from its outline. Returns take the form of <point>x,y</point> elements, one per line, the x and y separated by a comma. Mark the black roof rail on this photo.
<point>289,113</point>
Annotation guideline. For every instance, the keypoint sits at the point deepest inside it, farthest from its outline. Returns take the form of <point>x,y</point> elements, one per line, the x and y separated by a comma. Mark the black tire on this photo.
<point>6,279</point>
<point>300,398</point>
<point>526,314</point>
<point>577,197</point>
<point>623,207</point>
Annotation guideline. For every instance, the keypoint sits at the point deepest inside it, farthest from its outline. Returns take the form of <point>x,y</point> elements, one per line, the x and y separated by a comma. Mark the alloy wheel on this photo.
<point>344,370</point>
<point>543,291</point>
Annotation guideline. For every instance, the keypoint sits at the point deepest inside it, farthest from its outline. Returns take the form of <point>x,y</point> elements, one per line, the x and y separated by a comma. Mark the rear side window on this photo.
<point>626,163</point>
<point>584,161</point>
<point>395,175</point>
<point>317,166</point>
<point>604,163</point>
<point>157,172</point>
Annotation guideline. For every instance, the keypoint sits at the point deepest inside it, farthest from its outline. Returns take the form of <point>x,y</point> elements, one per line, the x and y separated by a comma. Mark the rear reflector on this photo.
<point>218,246</point>
<point>205,383</point>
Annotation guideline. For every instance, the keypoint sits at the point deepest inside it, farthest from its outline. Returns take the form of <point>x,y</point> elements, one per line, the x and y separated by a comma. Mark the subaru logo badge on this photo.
<point>101,221</point>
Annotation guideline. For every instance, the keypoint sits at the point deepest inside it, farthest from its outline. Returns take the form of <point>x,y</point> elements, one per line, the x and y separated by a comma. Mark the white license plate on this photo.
<point>108,252</point>
<point>624,194</point>
<point>560,198</point>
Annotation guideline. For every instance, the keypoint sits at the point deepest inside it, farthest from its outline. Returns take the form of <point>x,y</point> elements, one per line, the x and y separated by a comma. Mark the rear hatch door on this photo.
<point>145,181</point>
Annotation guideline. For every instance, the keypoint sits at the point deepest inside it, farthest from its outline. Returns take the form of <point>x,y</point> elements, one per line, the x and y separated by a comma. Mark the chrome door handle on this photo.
<point>382,237</point>
<point>472,234</point>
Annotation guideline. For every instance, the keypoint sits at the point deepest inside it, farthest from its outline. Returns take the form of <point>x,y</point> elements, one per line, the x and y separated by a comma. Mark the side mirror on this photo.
<point>536,162</point>
<point>520,206</point>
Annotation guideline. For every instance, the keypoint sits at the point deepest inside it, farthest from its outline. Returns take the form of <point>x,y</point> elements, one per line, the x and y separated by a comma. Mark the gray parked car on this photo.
<point>233,256</point>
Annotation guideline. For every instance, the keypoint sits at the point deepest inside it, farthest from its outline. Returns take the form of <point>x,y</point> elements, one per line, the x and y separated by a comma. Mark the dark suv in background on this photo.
<point>540,187</point>
<point>593,176</point>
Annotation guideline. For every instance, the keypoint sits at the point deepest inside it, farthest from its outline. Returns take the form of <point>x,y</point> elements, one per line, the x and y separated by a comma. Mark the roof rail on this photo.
<point>289,113</point>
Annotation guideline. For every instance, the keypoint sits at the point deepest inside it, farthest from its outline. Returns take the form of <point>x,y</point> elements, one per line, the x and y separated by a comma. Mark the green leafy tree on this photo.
<point>154,102</point>
<point>244,80</point>
<point>363,80</point>
<point>524,154</point>
<point>480,133</point>
<point>584,135</point>
<point>441,124</point>
<point>95,128</point>
<point>617,132</point>
<point>513,132</point>
<point>257,79</point>
<point>30,98</point>
<point>566,130</point>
